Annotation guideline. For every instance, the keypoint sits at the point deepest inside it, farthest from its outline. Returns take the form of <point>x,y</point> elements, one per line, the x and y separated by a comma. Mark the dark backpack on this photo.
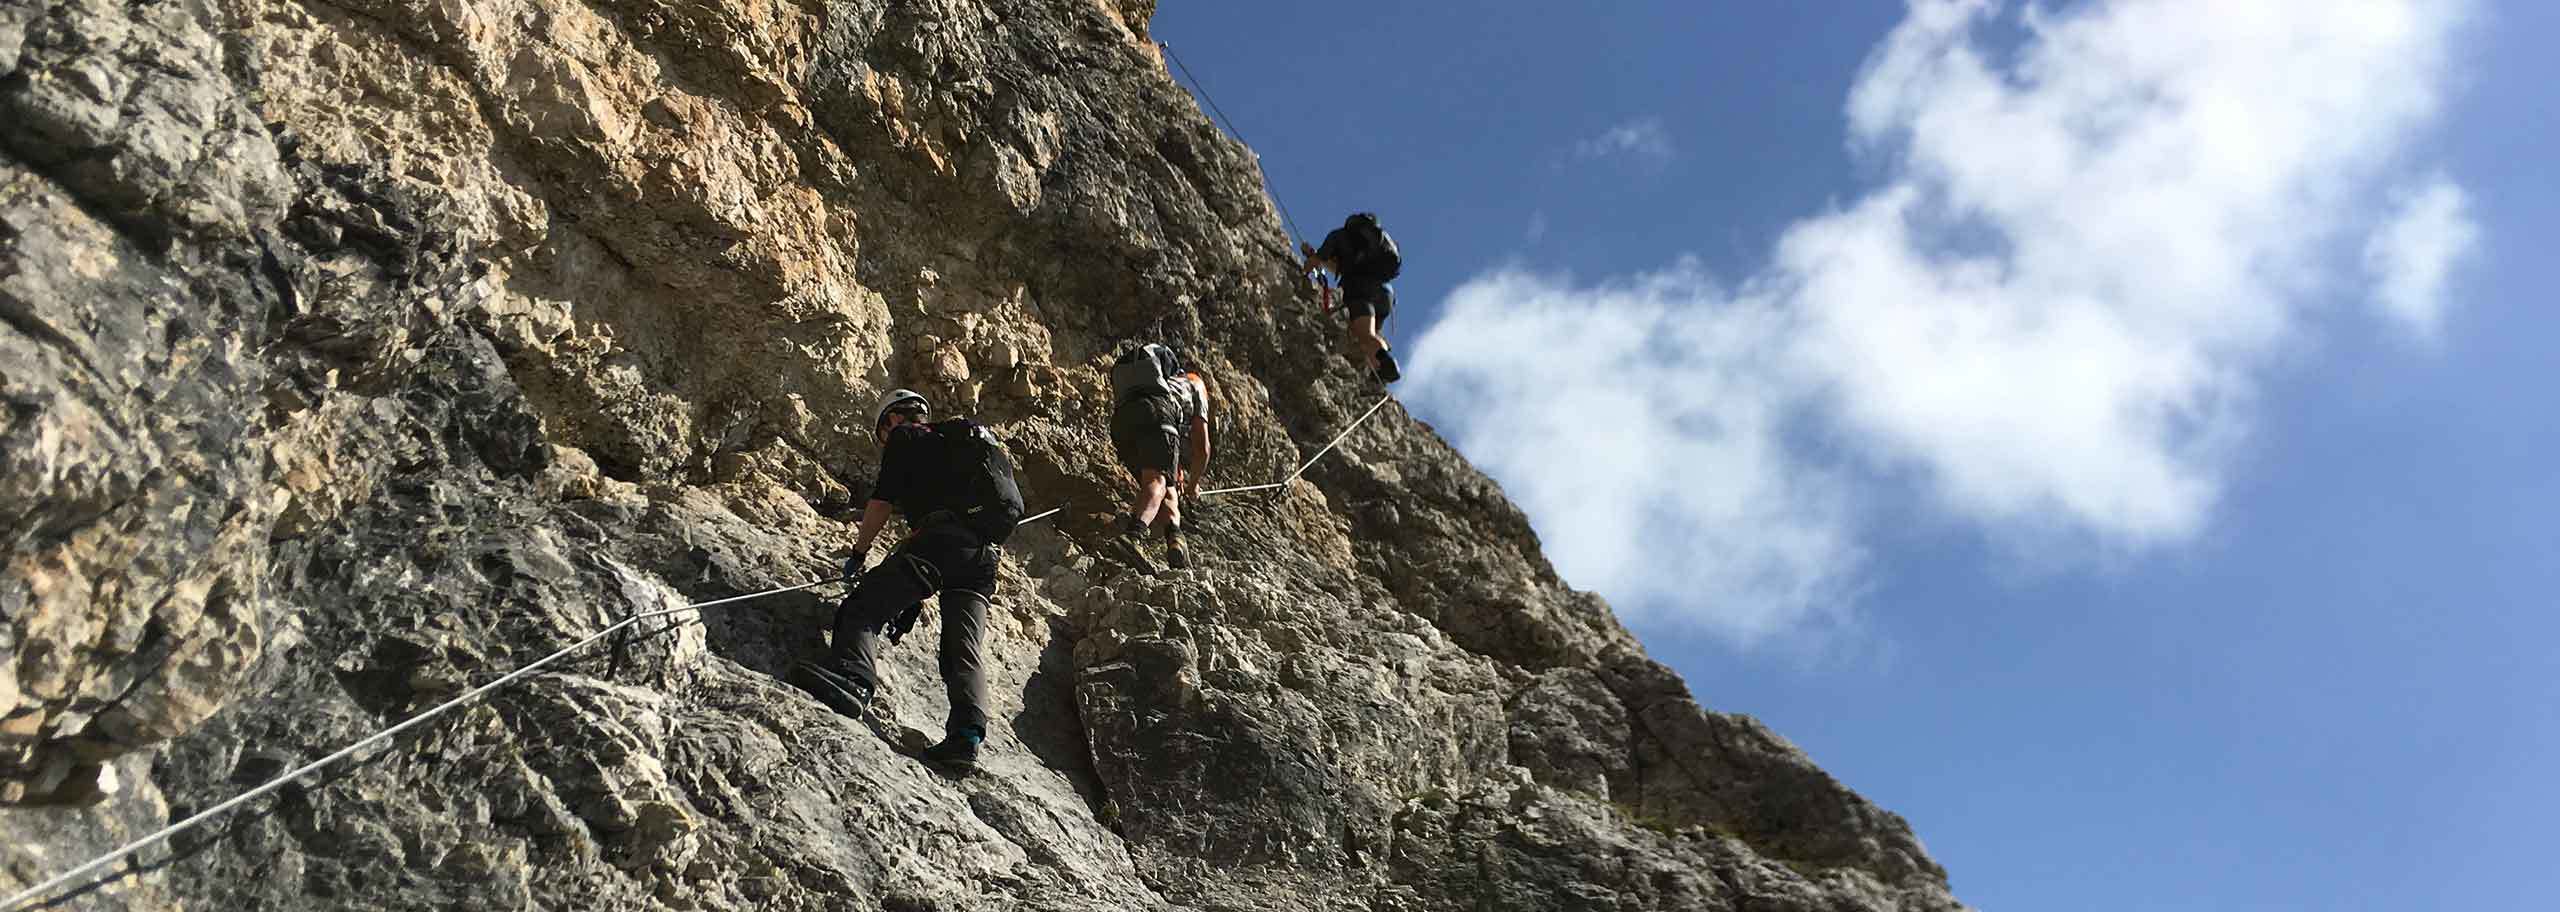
<point>979,488</point>
<point>1374,256</point>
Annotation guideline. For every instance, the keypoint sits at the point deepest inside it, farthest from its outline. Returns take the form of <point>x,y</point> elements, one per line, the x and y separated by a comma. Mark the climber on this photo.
<point>1160,428</point>
<point>952,481</point>
<point>1366,259</point>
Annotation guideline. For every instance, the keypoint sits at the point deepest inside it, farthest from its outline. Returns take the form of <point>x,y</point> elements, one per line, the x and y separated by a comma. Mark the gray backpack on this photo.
<point>1146,370</point>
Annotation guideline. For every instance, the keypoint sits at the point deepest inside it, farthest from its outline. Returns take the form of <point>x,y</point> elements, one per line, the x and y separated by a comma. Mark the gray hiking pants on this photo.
<point>947,560</point>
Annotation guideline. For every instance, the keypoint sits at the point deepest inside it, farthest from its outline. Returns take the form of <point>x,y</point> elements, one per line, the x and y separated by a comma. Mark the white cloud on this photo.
<point>2049,318</point>
<point>2411,257</point>
<point>1637,424</point>
<point>1642,141</point>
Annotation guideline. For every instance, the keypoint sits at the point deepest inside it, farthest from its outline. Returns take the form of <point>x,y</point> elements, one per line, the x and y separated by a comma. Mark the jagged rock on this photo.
<point>357,353</point>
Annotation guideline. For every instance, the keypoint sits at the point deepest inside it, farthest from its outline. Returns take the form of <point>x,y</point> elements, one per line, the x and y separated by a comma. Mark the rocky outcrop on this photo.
<point>356,352</point>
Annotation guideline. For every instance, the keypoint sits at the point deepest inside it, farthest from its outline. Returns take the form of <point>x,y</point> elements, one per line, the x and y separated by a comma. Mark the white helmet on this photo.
<point>899,400</point>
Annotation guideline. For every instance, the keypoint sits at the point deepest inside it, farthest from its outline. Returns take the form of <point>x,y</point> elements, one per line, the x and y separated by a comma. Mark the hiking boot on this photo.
<point>957,753</point>
<point>1386,370</point>
<point>1127,550</point>
<point>844,693</point>
<point>1173,549</point>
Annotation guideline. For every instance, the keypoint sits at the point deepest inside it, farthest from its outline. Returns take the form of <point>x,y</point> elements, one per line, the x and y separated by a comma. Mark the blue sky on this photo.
<point>2118,437</point>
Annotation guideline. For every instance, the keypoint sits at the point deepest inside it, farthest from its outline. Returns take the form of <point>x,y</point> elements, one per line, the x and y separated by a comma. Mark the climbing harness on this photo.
<point>155,837</point>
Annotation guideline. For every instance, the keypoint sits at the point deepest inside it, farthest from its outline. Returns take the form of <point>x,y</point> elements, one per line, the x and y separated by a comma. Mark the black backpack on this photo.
<point>979,488</point>
<point>1375,255</point>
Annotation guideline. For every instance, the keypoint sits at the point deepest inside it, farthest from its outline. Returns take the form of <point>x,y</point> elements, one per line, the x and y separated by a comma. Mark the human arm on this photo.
<point>1197,460</point>
<point>1328,257</point>
<point>1196,457</point>
<point>1324,289</point>
<point>896,482</point>
<point>874,515</point>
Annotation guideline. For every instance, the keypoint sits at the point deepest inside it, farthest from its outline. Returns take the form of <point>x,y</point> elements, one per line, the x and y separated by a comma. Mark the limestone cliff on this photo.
<point>356,352</point>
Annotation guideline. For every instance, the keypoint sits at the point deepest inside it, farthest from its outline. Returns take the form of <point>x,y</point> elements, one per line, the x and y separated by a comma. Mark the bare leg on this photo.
<point>1173,528</point>
<point>1361,342</point>
<point>1151,494</point>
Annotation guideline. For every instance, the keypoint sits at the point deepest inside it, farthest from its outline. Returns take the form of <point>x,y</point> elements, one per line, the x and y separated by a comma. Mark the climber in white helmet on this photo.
<point>954,484</point>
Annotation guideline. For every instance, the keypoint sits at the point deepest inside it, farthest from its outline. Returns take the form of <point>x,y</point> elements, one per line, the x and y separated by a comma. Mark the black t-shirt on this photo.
<point>907,466</point>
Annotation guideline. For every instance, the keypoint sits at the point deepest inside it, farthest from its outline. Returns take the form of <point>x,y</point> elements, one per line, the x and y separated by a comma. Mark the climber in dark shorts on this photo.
<point>1367,260</point>
<point>1160,429</point>
<point>954,484</point>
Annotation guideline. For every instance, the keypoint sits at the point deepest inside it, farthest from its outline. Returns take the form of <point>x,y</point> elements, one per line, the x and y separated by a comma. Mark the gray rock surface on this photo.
<point>358,352</point>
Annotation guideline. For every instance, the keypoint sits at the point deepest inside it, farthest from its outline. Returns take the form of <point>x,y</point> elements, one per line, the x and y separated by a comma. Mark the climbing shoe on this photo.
<point>845,694</point>
<point>958,752</point>
<point>1386,370</point>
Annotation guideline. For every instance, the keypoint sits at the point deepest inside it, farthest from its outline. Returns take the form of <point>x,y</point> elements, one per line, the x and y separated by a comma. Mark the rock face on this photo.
<point>356,352</point>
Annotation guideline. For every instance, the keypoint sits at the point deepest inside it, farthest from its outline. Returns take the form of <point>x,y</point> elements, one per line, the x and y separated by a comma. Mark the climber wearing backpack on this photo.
<point>1160,428</point>
<point>953,483</point>
<point>1367,260</point>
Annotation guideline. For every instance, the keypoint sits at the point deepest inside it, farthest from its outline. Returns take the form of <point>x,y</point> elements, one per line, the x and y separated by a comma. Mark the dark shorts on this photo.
<point>1147,433</point>
<point>1368,299</point>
